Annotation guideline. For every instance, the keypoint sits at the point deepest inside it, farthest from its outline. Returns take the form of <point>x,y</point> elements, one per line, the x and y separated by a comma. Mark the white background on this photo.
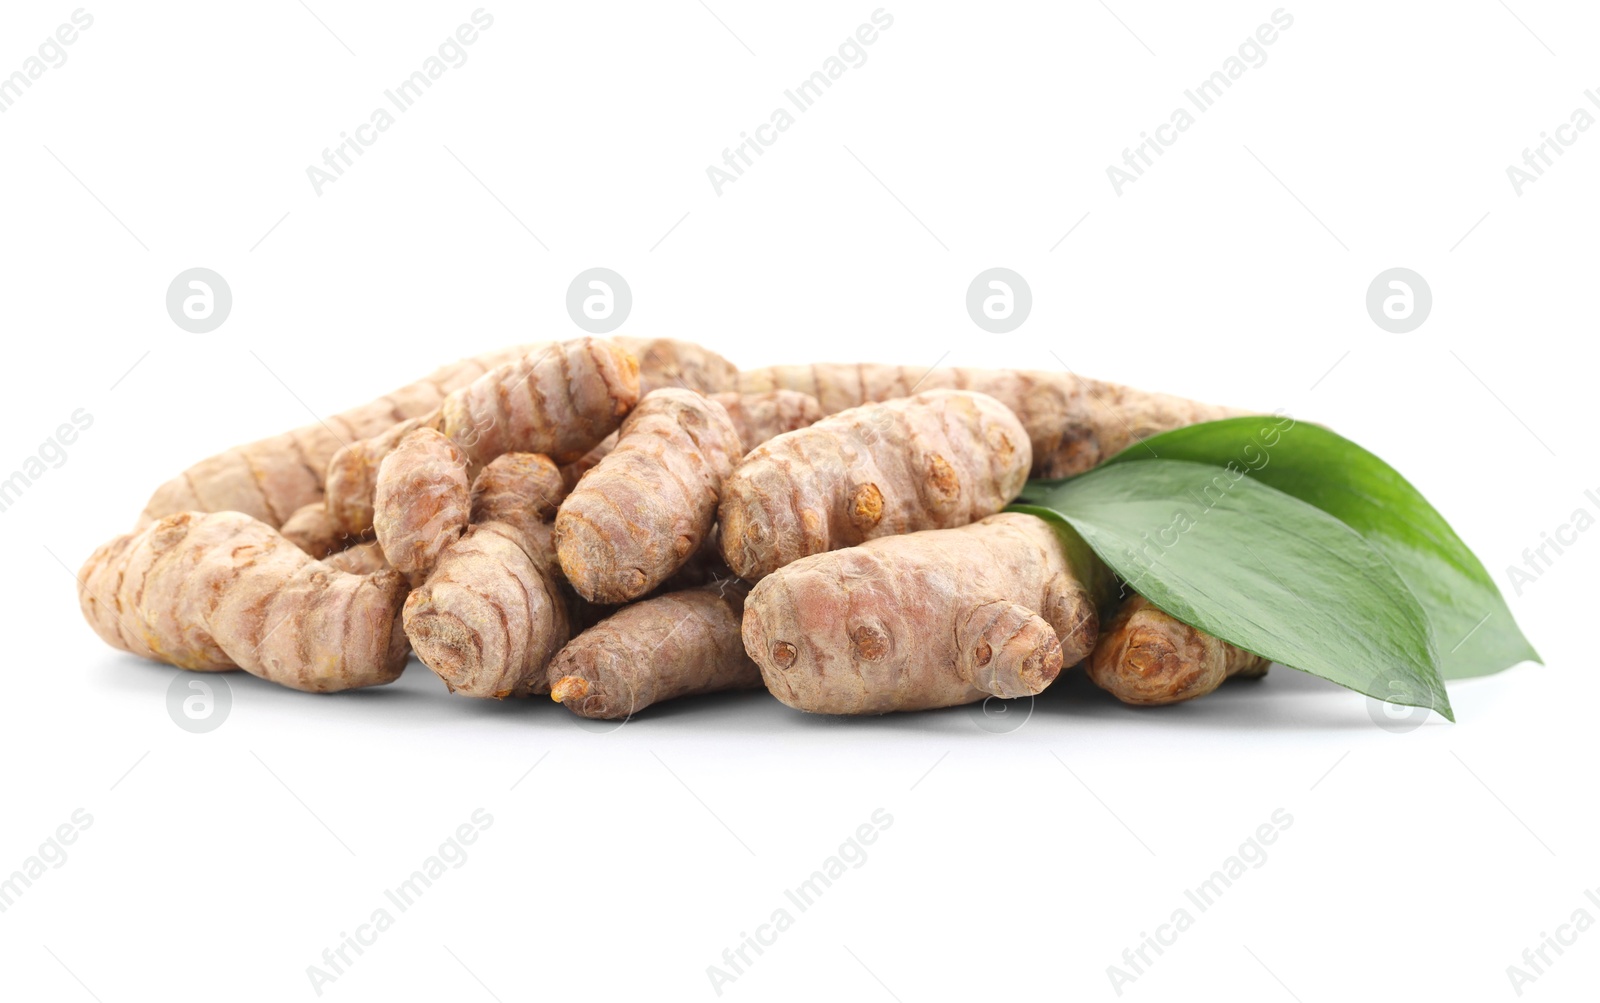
<point>1019,864</point>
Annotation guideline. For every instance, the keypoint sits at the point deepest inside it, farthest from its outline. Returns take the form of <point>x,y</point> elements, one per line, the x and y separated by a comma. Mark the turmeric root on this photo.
<point>559,400</point>
<point>677,644</point>
<point>493,612</point>
<point>223,590</point>
<point>1073,423</point>
<point>312,530</point>
<point>1145,656</point>
<point>759,417</point>
<point>646,508</point>
<point>933,461</point>
<point>931,619</point>
<point>272,478</point>
<point>516,487</point>
<point>362,559</point>
<point>756,417</point>
<point>668,362</point>
<point>422,501</point>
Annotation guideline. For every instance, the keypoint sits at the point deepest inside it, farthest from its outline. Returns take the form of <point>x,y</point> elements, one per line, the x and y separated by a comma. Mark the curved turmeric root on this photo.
<point>932,619</point>
<point>1145,656</point>
<point>646,508</point>
<point>668,362</point>
<point>312,530</point>
<point>422,501</point>
<point>677,644</point>
<point>756,417</point>
<point>517,487</point>
<point>493,611</point>
<point>272,478</point>
<point>763,416</point>
<point>933,461</point>
<point>362,559</point>
<point>1073,423</point>
<point>558,400</point>
<point>222,590</point>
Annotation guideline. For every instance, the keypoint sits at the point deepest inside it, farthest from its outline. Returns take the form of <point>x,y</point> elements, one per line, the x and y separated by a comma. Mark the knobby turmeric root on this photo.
<point>645,509</point>
<point>1145,656</point>
<point>493,612</point>
<point>313,530</point>
<point>272,478</point>
<point>931,619</point>
<point>676,644</point>
<point>223,590</point>
<point>558,400</point>
<point>937,460</point>
<point>422,501</point>
<point>362,559</point>
<point>1073,423</point>
<point>756,417</point>
<point>517,487</point>
<point>763,416</point>
<point>668,362</point>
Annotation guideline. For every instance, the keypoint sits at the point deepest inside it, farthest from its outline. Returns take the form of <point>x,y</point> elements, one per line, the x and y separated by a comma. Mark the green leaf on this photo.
<point>1472,625</point>
<point>1257,568</point>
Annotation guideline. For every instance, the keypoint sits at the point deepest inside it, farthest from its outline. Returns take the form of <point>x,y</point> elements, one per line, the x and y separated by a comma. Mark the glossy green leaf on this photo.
<point>1258,568</point>
<point>1472,625</point>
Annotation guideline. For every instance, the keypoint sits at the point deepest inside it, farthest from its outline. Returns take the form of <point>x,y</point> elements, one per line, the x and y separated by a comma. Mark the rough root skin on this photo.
<point>759,417</point>
<point>937,460</point>
<point>313,530</point>
<point>362,559</point>
<point>492,614</point>
<point>559,399</point>
<point>272,478</point>
<point>517,487</point>
<point>677,644</point>
<point>222,590</point>
<point>668,362</point>
<point>494,611</point>
<point>1073,423</point>
<point>422,501</point>
<point>1147,657</point>
<point>932,619</point>
<point>638,516</point>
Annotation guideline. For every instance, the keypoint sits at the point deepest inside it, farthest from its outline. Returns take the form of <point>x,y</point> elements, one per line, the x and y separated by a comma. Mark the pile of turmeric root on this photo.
<point>619,522</point>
